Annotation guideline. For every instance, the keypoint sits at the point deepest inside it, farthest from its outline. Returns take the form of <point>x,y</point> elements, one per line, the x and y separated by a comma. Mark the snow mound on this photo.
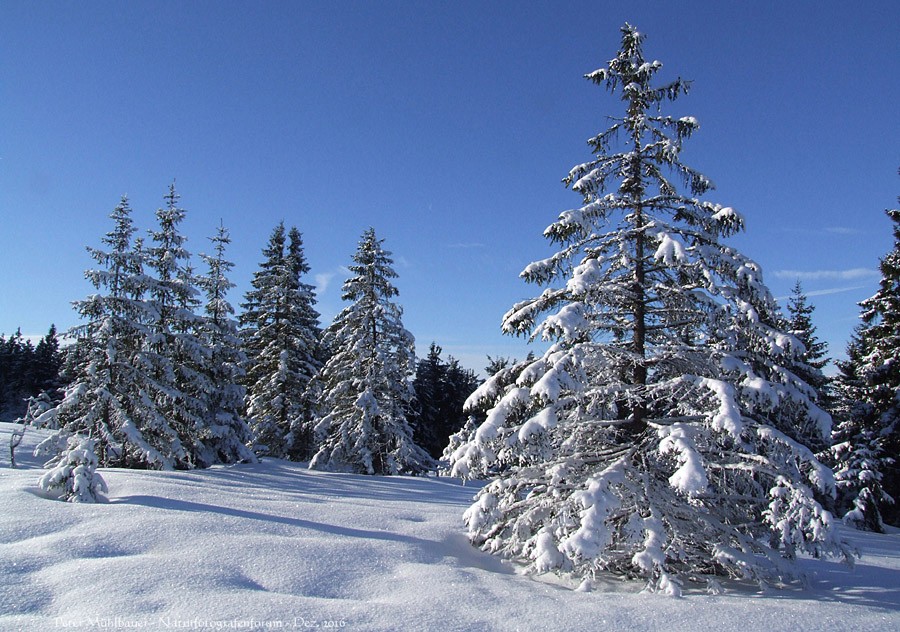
<point>276,546</point>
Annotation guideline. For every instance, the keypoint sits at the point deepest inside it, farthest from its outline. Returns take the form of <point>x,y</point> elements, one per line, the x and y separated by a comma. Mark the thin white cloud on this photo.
<point>844,230</point>
<point>825,292</point>
<point>466,246</point>
<point>834,290</point>
<point>322,281</point>
<point>833,275</point>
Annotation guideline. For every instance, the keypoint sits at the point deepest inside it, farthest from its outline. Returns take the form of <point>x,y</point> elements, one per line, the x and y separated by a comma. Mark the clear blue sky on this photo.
<point>446,126</point>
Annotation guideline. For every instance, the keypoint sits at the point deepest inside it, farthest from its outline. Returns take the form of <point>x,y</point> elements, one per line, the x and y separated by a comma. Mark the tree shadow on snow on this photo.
<point>295,480</point>
<point>865,584</point>
<point>455,546</point>
<point>834,582</point>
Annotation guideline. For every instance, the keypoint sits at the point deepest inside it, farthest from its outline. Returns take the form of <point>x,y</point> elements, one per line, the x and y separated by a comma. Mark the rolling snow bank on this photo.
<point>276,546</point>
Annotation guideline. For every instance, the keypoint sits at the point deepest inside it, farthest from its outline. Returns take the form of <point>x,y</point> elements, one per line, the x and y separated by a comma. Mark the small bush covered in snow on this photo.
<point>73,475</point>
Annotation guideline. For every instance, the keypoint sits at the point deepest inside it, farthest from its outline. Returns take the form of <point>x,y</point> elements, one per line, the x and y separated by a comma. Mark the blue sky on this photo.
<point>446,126</point>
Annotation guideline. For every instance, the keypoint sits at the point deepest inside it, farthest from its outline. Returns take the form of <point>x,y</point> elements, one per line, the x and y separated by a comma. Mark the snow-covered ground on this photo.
<point>276,546</point>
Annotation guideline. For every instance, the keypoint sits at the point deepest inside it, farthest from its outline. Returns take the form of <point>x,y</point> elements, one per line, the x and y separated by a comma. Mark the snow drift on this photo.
<point>274,545</point>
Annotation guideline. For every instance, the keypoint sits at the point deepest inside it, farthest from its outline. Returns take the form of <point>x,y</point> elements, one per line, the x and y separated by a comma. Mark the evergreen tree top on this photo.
<point>630,70</point>
<point>372,269</point>
<point>295,254</point>
<point>120,237</point>
<point>169,217</point>
<point>216,283</point>
<point>885,304</point>
<point>801,326</point>
<point>274,250</point>
<point>652,141</point>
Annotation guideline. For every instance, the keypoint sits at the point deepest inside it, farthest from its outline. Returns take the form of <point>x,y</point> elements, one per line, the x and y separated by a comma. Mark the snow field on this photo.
<point>276,546</point>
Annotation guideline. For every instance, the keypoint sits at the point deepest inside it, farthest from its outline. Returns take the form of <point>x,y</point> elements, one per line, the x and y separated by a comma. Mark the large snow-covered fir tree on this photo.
<point>115,389</point>
<point>365,386</point>
<point>661,435</point>
<point>282,342</point>
<point>227,432</point>
<point>867,450</point>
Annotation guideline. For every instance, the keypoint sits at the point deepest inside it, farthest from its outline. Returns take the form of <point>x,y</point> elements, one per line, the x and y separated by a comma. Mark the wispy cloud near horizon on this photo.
<point>844,230</point>
<point>826,291</point>
<point>834,290</point>
<point>827,231</point>
<point>820,275</point>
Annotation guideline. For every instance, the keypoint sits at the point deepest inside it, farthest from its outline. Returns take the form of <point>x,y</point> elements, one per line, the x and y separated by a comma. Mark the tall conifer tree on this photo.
<point>181,358</point>
<point>801,326</point>
<point>281,335</point>
<point>227,432</point>
<point>812,361</point>
<point>661,434</point>
<point>365,387</point>
<point>868,465</point>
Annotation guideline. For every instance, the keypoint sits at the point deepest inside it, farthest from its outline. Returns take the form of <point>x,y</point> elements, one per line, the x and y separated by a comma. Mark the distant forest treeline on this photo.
<point>27,370</point>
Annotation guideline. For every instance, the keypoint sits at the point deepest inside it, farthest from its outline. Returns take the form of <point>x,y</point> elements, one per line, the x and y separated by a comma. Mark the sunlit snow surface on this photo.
<point>276,546</point>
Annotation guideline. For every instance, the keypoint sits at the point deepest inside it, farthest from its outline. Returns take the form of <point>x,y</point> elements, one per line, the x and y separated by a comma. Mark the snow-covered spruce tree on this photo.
<point>868,449</point>
<point>660,436</point>
<point>281,339</point>
<point>313,354</point>
<point>881,366</point>
<point>227,434</point>
<point>365,386</point>
<point>73,475</point>
<point>814,358</point>
<point>179,356</point>
<point>114,390</point>
<point>857,456</point>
